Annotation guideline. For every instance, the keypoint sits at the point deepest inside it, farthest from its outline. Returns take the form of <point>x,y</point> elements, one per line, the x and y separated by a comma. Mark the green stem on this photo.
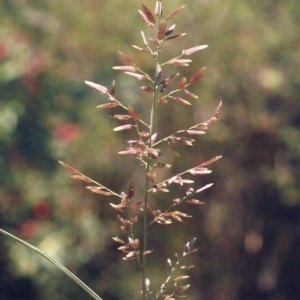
<point>56,263</point>
<point>145,225</point>
<point>147,193</point>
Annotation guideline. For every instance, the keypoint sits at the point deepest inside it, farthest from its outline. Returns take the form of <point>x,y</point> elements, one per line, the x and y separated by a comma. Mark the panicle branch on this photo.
<point>172,287</point>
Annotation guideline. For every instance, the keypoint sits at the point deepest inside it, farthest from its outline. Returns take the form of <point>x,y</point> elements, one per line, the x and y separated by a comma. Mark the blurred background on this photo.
<point>248,232</point>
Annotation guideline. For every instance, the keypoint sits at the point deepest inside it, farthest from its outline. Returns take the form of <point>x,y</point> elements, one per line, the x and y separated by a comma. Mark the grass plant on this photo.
<point>163,88</point>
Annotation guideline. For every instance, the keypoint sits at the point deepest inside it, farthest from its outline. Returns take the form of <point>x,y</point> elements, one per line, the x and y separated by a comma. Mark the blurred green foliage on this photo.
<point>247,232</point>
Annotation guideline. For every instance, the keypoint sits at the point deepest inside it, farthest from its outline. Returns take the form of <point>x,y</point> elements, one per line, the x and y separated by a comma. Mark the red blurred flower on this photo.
<point>67,132</point>
<point>42,211</point>
<point>3,51</point>
<point>29,228</point>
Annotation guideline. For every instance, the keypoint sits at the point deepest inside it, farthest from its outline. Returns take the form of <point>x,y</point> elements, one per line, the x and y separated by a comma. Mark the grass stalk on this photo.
<point>56,263</point>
